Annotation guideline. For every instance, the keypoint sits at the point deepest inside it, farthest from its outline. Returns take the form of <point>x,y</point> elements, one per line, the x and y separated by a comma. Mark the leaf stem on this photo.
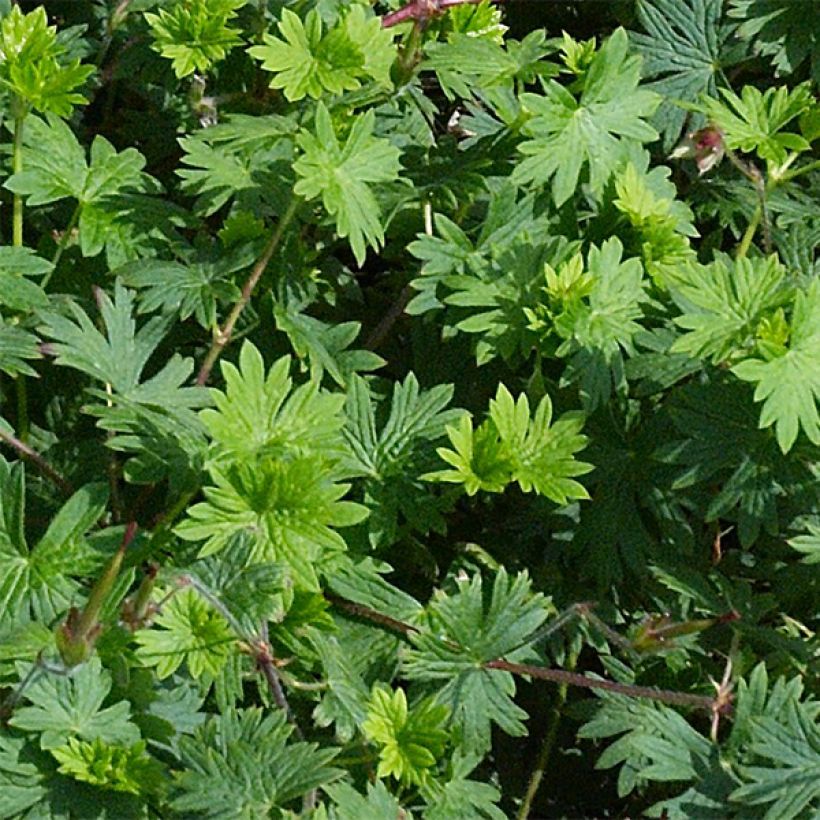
<point>560,676</point>
<point>223,336</point>
<point>63,243</point>
<point>17,167</point>
<point>547,746</point>
<point>748,234</point>
<point>38,461</point>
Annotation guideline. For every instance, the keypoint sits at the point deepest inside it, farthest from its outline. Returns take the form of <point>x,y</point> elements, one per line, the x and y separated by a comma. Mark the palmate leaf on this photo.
<point>118,768</point>
<point>466,631</point>
<point>197,286</point>
<point>17,348</point>
<point>195,34</point>
<point>722,447</point>
<point>155,418</point>
<point>791,781</point>
<point>460,796</point>
<point>599,328</point>
<point>683,51</point>
<point>21,784</point>
<point>511,446</point>
<point>377,804</point>
<point>788,382</point>
<point>567,135</point>
<point>754,121</point>
<point>262,414</point>
<point>275,459</point>
<point>390,455</point>
<point>16,291</point>
<point>40,582</point>
<point>186,630</point>
<point>343,176</point>
<point>243,157</point>
<point>35,65</point>
<point>410,740</point>
<point>325,345</point>
<point>66,706</point>
<point>723,303</point>
<point>112,190</point>
<point>309,63</point>
<point>291,507</point>
<point>781,30</point>
<point>240,764</point>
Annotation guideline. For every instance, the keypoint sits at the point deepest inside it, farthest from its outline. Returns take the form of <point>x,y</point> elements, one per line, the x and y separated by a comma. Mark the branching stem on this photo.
<point>223,336</point>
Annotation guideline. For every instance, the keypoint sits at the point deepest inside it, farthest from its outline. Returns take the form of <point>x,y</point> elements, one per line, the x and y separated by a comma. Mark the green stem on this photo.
<point>63,243</point>
<point>547,746</point>
<point>223,336</point>
<point>17,166</point>
<point>790,175</point>
<point>22,406</point>
<point>751,229</point>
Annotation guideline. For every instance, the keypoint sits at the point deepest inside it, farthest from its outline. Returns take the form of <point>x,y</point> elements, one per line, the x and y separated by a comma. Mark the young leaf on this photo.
<point>261,415</point>
<point>186,630</point>
<point>35,65</point>
<point>567,134</point>
<point>410,740</point>
<point>306,62</point>
<point>116,767</point>
<point>343,176</point>
<point>511,446</point>
<point>195,35</point>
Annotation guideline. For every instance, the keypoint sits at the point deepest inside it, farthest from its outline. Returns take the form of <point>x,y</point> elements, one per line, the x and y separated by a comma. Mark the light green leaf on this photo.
<point>66,706</point>
<point>343,176</point>
<point>568,135</point>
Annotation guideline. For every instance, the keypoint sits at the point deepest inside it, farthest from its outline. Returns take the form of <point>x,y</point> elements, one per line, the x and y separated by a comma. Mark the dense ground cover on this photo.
<point>409,411</point>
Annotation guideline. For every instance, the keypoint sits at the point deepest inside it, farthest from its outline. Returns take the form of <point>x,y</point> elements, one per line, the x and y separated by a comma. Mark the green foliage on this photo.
<point>115,210</point>
<point>780,30</point>
<point>195,34</point>
<point>510,446</point>
<point>274,464</point>
<point>464,632</point>
<point>242,764</point>
<point>592,132</point>
<point>307,319</point>
<point>683,49</point>
<point>409,740</point>
<point>35,67</point>
<point>308,62</point>
<point>341,174</point>
<point>63,707</point>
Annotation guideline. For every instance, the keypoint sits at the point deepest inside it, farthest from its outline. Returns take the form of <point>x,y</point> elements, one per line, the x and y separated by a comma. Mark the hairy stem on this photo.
<point>223,336</point>
<point>560,676</point>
